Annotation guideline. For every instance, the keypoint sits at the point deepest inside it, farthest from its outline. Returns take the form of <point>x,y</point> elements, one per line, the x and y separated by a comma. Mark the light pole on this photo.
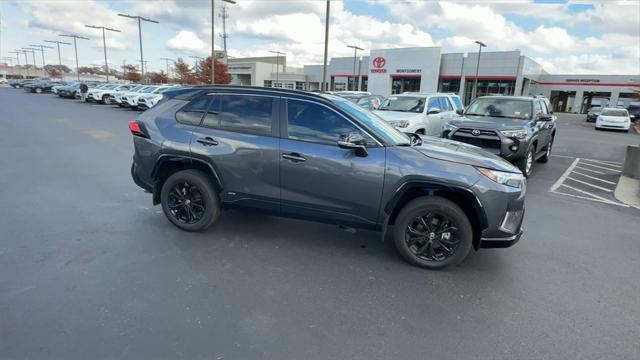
<point>140,19</point>
<point>326,47</point>
<point>475,83</point>
<point>41,49</point>
<point>213,41</point>
<point>104,45</point>
<point>278,53</point>
<point>75,46</point>
<point>196,59</point>
<point>166,61</point>
<point>58,43</point>
<point>33,55</point>
<point>17,57</point>
<point>355,56</point>
<point>26,59</point>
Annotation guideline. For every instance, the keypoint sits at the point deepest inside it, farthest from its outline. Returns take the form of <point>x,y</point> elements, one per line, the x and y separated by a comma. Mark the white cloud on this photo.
<point>188,41</point>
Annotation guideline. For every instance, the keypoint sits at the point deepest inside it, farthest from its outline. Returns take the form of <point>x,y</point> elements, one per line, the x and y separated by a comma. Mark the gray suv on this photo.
<point>323,158</point>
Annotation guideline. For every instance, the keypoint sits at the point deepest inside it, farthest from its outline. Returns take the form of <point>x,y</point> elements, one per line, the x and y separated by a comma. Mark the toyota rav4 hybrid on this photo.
<point>520,129</point>
<point>122,99</point>
<point>320,157</point>
<point>146,101</point>
<point>422,114</point>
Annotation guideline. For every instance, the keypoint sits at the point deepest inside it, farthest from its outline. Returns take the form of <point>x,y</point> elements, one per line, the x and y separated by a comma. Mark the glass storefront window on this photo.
<point>488,87</point>
<point>400,85</point>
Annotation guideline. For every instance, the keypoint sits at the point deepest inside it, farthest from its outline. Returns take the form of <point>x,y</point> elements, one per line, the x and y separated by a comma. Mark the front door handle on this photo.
<point>295,157</point>
<point>207,141</point>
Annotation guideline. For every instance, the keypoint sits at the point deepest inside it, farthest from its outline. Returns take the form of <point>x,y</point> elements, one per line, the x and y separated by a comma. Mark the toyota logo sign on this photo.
<point>378,64</point>
<point>475,132</point>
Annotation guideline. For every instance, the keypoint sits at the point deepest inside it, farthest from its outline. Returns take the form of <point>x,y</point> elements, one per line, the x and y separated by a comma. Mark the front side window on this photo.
<point>434,103</point>
<point>192,113</point>
<point>241,113</point>
<point>307,121</point>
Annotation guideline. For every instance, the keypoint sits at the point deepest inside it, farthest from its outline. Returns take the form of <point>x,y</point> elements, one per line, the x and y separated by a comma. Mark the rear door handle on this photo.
<point>207,141</point>
<point>295,157</point>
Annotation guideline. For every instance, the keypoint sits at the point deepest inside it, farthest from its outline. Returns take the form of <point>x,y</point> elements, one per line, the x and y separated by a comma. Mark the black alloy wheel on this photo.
<point>432,232</point>
<point>186,204</point>
<point>432,237</point>
<point>190,201</point>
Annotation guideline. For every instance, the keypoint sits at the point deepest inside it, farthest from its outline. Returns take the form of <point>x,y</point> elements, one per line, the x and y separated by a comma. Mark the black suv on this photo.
<point>520,129</point>
<point>323,158</point>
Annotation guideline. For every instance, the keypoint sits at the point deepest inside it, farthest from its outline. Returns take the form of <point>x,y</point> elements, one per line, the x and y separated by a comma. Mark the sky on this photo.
<point>566,37</point>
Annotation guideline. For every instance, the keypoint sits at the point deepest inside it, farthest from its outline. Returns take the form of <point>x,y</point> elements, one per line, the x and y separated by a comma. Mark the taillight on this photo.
<point>138,129</point>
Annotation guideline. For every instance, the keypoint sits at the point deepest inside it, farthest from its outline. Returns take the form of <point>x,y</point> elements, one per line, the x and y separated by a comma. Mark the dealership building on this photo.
<point>427,69</point>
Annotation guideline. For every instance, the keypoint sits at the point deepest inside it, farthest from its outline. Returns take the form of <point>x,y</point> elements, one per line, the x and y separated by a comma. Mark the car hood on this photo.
<point>396,115</point>
<point>455,151</point>
<point>487,122</point>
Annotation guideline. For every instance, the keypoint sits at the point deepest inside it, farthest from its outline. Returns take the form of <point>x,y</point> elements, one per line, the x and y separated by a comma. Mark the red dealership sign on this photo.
<point>378,64</point>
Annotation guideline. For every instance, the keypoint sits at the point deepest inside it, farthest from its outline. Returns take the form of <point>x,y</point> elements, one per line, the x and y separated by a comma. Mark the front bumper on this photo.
<point>613,125</point>
<point>500,243</point>
<point>505,209</point>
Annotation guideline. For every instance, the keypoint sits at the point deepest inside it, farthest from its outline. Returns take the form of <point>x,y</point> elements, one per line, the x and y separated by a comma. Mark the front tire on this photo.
<point>189,200</point>
<point>526,163</point>
<point>432,232</point>
<point>106,100</point>
<point>38,91</point>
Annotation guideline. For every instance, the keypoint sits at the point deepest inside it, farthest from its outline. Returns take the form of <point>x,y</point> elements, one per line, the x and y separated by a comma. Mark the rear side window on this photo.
<point>241,113</point>
<point>457,102</point>
<point>192,113</point>
<point>445,105</point>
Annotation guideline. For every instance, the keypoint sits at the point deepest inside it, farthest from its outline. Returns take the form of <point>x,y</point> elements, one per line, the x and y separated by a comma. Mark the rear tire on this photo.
<point>190,201</point>
<point>547,155</point>
<point>447,227</point>
<point>38,91</point>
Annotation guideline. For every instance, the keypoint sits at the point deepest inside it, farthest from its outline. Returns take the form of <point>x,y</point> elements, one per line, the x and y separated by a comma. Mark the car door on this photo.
<point>238,136</point>
<point>435,120</point>
<point>543,127</point>
<point>319,179</point>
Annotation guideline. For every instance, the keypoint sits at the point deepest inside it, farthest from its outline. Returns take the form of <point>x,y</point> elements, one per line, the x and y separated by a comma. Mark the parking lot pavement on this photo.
<point>90,269</point>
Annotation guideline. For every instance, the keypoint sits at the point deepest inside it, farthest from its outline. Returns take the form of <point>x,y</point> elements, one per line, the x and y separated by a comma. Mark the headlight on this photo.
<point>518,134</point>
<point>448,127</point>
<point>504,178</point>
<point>400,123</point>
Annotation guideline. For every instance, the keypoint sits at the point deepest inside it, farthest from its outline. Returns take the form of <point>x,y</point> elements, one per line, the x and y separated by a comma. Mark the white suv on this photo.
<point>419,113</point>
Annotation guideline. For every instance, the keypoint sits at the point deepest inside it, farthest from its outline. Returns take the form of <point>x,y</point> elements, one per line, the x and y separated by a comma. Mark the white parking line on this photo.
<point>600,167</point>
<point>564,175</point>
<point>593,177</point>
<point>589,184</point>
<point>605,162</point>
<point>593,171</point>
<point>592,196</point>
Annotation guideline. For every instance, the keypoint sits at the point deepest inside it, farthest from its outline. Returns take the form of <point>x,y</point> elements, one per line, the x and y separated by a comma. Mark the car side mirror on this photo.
<point>544,117</point>
<point>460,111</point>
<point>355,142</point>
<point>433,111</point>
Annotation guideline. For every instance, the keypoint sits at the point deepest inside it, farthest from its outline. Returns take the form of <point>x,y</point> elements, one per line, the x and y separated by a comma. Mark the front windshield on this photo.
<point>381,127</point>
<point>160,90</point>
<point>614,112</point>
<point>498,107</point>
<point>149,89</point>
<point>413,104</point>
<point>136,88</point>
<point>107,87</point>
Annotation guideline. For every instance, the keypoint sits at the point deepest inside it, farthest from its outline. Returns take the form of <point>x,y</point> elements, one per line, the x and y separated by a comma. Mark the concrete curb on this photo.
<point>628,191</point>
